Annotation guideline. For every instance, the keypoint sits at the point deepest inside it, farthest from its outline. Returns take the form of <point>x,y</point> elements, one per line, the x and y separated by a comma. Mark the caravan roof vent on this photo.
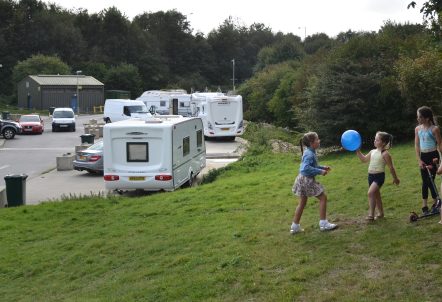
<point>153,120</point>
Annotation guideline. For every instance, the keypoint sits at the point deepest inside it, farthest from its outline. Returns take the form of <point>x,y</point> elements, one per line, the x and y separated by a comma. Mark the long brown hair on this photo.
<point>307,140</point>
<point>426,112</point>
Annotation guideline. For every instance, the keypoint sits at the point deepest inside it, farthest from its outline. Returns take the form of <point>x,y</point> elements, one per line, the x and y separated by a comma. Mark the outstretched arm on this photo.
<point>389,162</point>
<point>362,157</point>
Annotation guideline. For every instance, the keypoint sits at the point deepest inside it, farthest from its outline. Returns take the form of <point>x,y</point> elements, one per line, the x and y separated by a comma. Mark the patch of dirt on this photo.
<point>279,146</point>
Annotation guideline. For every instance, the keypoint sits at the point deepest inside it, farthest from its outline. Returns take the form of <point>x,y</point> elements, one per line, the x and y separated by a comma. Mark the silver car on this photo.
<point>90,159</point>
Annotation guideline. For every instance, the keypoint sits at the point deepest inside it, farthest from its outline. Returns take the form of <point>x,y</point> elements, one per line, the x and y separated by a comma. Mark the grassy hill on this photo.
<point>228,240</point>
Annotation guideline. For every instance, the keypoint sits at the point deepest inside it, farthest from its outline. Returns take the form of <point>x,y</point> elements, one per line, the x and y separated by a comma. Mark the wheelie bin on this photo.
<point>16,189</point>
<point>87,138</point>
<point>51,110</point>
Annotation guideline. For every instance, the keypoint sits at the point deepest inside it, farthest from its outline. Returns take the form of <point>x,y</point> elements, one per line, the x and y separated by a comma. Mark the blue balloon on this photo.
<point>351,140</point>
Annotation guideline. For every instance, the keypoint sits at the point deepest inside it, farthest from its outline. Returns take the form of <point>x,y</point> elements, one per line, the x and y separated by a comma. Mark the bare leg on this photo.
<point>379,204</point>
<point>372,191</point>
<point>300,209</point>
<point>322,206</point>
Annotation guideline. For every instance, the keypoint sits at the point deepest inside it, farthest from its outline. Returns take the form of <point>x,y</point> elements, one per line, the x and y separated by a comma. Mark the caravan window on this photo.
<point>137,152</point>
<point>186,146</point>
<point>162,103</point>
<point>199,138</point>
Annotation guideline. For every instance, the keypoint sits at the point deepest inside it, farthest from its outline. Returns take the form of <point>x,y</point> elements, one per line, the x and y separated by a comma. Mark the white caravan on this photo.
<point>163,101</point>
<point>121,109</point>
<point>222,114</point>
<point>160,153</point>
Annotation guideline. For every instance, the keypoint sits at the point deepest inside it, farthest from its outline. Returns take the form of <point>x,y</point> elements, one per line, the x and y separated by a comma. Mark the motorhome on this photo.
<point>172,101</point>
<point>121,109</point>
<point>159,153</point>
<point>222,114</point>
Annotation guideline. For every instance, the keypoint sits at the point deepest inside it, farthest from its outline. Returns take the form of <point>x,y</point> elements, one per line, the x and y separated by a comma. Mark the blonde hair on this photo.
<point>386,138</point>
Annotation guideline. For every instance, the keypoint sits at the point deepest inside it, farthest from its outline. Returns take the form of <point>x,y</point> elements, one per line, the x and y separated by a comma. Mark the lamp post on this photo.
<point>233,74</point>
<point>305,31</point>
<point>78,94</point>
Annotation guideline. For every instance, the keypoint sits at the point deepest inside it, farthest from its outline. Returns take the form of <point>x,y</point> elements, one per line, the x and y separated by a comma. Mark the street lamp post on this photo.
<point>78,93</point>
<point>305,31</point>
<point>233,74</point>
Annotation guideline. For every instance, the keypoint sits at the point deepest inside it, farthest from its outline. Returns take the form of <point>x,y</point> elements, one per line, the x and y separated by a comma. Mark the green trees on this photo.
<point>420,79</point>
<point>39,64</point>
<point>363,81</point>
<point>288,48</point>
<point>124,77</point>
<point>357,86</point>
<point>366,81</point>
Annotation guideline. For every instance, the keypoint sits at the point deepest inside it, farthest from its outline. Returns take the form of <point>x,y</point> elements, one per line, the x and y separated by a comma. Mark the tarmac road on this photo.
<point>58,185</point>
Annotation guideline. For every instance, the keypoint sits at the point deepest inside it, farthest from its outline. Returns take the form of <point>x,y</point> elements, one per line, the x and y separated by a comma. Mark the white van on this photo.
<point>222,114</point>
<point>160,153</point>
<point>120,109</point>
<point>63,118</point>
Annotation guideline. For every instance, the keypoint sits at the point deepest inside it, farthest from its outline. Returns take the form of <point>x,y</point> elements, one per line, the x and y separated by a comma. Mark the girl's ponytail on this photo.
<point>307,140</point>
<point>386,139</point>
<point>302,146</point>
<point>426,112</point>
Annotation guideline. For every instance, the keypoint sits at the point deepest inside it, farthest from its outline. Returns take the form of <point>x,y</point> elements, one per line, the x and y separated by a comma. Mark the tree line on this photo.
<point>152,51</point>
<point>366,81</point>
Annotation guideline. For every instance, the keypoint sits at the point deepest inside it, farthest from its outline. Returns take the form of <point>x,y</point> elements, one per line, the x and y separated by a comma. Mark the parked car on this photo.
<point>63,118</point>
<point>9,128</point>
<point>31,123</point>
<point>90,159</point>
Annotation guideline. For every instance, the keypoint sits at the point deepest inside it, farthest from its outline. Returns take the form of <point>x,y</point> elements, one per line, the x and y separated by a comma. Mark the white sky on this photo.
<point>295,16</point>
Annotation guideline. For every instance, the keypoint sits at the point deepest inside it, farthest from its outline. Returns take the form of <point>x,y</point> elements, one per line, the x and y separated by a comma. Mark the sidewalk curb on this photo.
<point>2,142</point>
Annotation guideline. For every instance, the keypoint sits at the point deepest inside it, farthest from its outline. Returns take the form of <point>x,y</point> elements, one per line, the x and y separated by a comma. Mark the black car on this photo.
<point>9,129</point>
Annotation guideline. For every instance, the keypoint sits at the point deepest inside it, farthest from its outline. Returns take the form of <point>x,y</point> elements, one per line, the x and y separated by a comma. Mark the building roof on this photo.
<point>66,80</point>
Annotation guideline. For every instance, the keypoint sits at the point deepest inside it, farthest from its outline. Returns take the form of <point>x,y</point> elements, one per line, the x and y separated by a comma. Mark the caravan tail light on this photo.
<point>163,177</point>
<point>111,177</point>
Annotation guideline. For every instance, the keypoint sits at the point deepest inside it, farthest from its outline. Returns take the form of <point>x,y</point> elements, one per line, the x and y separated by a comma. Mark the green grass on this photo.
<point>228,240</point>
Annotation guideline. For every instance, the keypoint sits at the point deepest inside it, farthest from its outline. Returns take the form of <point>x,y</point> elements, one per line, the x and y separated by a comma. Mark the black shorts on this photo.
<point>378,178</point>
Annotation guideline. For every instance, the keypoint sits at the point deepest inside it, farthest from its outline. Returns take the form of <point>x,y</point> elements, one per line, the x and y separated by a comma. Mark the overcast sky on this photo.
<point>295,16</point>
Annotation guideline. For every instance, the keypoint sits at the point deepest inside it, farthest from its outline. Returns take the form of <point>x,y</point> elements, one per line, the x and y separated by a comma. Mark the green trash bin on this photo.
<point>87,138</point>
<point>5,115</point>
<point>16,189</point>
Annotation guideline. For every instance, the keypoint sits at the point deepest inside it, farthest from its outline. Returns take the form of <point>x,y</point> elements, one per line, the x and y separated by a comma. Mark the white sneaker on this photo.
<point>327,226</point>
<point>295,228</point>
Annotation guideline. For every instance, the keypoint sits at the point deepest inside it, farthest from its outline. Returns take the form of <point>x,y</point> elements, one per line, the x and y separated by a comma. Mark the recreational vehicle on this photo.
<point>121,109</point>
<point>174,101</point>
<point>160,153</point>
<point>222,114</point>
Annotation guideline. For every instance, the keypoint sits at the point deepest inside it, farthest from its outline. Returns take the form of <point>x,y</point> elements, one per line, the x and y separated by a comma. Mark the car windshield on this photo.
<point>63,114</point>
<point>133,109</point>
<point>29,118</point>
<point>96,146</point>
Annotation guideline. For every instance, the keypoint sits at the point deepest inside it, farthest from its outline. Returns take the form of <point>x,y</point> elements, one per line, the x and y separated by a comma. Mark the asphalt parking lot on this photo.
<point>56,185</point>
